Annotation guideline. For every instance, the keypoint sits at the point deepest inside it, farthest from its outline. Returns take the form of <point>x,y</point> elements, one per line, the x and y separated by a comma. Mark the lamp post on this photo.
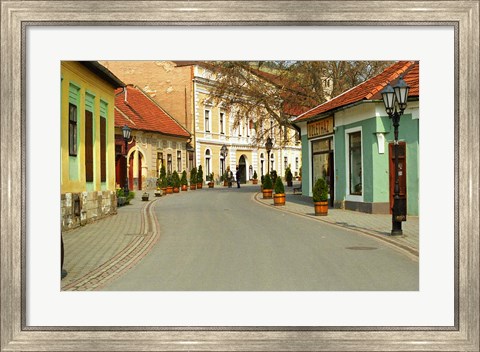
<point>268,146</point>
<point>223,153</point>
<point>126,137</point>
<point>395,100</point>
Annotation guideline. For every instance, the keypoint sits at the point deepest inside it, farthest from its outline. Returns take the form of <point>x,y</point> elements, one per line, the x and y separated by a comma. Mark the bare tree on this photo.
<point>265,91</point>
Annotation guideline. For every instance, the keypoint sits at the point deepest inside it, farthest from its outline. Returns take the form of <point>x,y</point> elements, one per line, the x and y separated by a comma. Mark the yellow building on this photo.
<point>182,89</point>
<point>87,142</point>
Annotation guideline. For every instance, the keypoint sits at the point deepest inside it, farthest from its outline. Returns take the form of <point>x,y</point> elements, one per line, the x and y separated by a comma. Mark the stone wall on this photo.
<point>78,209</point>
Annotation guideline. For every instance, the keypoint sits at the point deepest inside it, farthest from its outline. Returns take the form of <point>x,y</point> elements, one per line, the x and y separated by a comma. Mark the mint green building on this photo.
<point>349,141</point>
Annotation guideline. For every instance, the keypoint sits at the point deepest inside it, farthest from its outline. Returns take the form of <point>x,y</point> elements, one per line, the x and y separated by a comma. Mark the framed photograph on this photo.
<point>442,315</point>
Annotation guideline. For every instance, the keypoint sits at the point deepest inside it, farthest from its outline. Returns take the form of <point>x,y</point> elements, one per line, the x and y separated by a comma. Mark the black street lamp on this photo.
<point>126,137</point>
<point>395,100</point>
<point>268,146</point>
<point>223,153</point>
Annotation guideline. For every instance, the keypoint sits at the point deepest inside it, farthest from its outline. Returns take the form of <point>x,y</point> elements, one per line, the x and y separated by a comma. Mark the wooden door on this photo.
<point>402,171</point>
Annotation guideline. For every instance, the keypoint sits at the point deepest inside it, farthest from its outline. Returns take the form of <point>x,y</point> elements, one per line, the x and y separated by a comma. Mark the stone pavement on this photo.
<point>376,225</point>
<point>99,252</point>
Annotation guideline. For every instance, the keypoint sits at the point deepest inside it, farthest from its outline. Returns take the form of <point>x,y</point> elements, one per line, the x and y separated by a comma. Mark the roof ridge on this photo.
<point>385,77</point>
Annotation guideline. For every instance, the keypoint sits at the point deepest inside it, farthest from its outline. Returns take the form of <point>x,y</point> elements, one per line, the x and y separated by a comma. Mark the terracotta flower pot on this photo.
<point>164,190</point>
<point>210,185</point>
<point>255,181</point>
<point>176,189</point>
<point>193,187</point>
<point>279,199</point>
<point>184,188</point>
<point>199,185</point>
<point>169,190</point>
<point>321,208</point>
<point>267,193</point>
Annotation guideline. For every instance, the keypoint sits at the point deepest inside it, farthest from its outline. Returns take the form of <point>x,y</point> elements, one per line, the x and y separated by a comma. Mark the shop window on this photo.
<point>355,162</point>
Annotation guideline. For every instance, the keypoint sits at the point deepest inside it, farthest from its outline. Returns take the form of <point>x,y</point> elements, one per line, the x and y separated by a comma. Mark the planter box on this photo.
<point>267,193</point>
<point>321,208</point>
<point>279,199</point>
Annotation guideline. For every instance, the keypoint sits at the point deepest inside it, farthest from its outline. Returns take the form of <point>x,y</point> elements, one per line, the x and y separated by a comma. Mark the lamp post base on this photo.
<point>396,228</point>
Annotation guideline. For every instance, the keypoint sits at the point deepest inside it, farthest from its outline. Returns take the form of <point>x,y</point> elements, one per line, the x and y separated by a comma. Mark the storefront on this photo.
<point>320,136</point>
<point>349,141</point>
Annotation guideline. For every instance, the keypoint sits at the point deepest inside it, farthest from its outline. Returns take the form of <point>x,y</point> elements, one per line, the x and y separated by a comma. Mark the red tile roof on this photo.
<point>139,112</point>
<point>370,89</point>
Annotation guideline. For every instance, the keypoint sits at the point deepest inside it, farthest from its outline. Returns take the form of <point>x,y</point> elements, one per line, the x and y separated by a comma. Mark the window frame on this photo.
<point>348,195</point>
<point>72,130</point>
<point>207,120</point>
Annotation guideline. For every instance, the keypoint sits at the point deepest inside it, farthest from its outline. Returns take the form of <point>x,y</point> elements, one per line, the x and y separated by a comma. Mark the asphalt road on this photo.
<point>221,240</point>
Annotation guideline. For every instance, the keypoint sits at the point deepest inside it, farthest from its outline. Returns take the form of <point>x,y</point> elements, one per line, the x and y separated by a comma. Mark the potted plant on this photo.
<point>267,187</point>
<point>176,182</point>
<point>162,180</point>
<point>289,177</point>
<point>199,177</point>
<point>169,183</point>
<point>210,180</point>
<point>273,175</point>
<point>320,197</point>
<point>193,179</point>
<point>183,181</point>
<point>279,196</point>
<point>255,177</point>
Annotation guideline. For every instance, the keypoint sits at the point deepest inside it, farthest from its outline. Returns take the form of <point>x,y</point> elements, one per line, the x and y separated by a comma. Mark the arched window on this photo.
<point>208,167</point>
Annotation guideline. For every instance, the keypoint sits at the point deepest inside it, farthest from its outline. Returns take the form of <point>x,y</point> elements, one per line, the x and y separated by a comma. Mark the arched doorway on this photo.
<point>135,170</point>
<point>242,166</point>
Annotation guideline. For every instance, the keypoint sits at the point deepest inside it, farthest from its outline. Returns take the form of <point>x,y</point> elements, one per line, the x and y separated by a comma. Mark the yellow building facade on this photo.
<point>182,89</point>
<point>87,142</point>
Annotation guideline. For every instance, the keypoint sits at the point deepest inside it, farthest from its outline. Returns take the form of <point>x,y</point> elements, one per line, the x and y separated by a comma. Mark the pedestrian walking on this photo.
<point>229,177</point>
<point>237,176</point>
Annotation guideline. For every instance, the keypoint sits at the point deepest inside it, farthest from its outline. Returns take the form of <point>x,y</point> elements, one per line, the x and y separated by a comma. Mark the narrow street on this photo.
<point>223,239</point>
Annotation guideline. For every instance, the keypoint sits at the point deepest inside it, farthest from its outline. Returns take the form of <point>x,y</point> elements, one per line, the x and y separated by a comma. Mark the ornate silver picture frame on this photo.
<point>16,16</point>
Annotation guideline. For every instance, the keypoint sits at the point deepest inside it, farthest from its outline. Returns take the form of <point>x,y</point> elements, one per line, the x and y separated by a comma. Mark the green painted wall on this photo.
<point>375,165</point>
<point>306,159</point>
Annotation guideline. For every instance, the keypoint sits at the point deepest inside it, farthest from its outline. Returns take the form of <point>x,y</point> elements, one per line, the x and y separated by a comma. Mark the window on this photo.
<point>88,146</point>
<point>262,160</point>
<point>285,162</point>
<point>355,162</point>
<point>296,163</point>
<point>222,123</point>
<point>207,120</point>
<point>179,161</point>
<point>72,129</point>
<point>207,162</point>
<point>169,163</point>
<point>159,162</point>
